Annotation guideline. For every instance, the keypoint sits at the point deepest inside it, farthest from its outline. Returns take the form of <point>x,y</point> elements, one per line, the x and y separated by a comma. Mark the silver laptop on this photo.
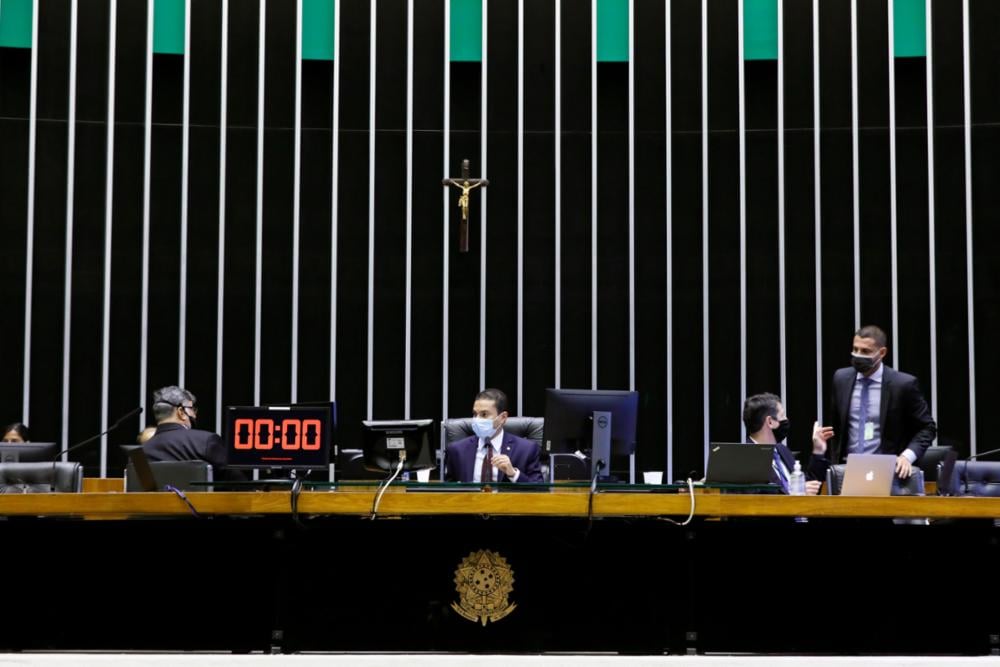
<point>869,475</point>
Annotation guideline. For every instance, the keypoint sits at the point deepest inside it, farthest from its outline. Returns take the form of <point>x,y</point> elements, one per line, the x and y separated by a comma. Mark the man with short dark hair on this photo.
<point>492,455</point>
<point>765,420</point>
<point>875,409</point>
<point>176,439</point>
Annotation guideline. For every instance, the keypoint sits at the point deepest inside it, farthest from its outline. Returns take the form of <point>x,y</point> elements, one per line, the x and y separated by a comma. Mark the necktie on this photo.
<point>782,479</point>
<point>863,413</point>
<point>487,472</point>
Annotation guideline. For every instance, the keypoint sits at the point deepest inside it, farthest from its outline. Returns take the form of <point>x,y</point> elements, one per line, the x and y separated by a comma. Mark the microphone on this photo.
<point>118,423</point>
<point>986,453</point>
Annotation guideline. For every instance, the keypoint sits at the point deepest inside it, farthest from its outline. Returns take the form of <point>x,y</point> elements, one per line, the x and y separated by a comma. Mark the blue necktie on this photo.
<point>782,479</point>
<point>863,413</point>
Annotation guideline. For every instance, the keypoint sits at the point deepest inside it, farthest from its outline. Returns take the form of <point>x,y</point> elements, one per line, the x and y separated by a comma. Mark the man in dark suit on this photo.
<point>764,417</point>
<point>491,455</point>
<point>876,409</point>
<point>176,439</point>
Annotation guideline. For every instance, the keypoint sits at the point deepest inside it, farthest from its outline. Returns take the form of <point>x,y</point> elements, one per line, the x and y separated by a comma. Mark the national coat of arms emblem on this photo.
<point>484,581</point>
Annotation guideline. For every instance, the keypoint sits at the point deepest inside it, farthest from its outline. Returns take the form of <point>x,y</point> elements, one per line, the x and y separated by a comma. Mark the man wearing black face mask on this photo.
<point>764,418</point>
<point>176,439</point>
<point>876,409</point>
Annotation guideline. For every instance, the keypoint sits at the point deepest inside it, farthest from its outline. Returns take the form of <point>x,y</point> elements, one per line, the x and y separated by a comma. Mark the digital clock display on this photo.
<point>278,437</point>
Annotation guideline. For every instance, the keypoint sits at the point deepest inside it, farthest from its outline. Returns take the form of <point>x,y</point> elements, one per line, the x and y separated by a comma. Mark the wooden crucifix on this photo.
<point>466,184</point>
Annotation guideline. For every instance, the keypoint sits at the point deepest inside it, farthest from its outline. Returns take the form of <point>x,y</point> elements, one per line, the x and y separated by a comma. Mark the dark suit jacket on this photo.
<point>815,470</point>
<point>460,459</point>
<point>905,421</point>
<point>174,442</point>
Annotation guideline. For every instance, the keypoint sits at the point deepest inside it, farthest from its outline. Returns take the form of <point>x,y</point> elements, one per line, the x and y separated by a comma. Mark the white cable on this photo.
<point>388,482</point>
<point>690,515</point>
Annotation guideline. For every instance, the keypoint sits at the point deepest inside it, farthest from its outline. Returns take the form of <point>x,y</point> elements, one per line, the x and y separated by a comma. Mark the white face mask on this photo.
<point>483,428</point>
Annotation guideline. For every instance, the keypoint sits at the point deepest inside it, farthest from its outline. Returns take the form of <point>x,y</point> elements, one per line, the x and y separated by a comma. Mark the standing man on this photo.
<point>876,409</point>
<point>176,439</point>
<point>764,417</point>
<point>491,455</point>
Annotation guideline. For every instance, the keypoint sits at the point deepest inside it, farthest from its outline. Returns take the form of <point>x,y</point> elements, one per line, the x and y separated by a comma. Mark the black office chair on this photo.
<point>931,459</point>
<point>182,475</point>
<point>61,477</point>
<point>912,486</point>
<point>974,478</point>
<point>532,428</point>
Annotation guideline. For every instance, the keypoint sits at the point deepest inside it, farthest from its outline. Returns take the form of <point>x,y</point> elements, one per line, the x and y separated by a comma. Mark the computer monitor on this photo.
<point>279,437</point>
<point>596,422</point>
<point>382,443</point>
<point>28,452</point>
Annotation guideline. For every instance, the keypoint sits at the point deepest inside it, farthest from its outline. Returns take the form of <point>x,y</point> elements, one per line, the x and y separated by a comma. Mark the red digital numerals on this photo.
<point>290,434</point>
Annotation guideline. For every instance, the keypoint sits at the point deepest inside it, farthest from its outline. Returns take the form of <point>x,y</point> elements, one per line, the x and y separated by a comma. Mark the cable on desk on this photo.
<point>690,516</point>
<point>180,494</point>
<point>385,485</point>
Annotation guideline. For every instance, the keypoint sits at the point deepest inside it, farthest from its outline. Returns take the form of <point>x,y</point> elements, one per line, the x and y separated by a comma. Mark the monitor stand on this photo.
<point>600,453</point>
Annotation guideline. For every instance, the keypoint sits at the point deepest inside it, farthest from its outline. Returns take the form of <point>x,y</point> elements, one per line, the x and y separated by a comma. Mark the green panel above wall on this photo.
<point>317,29</point>
<point>760,29</point>
<point>168,26</point>
<point>911,28</point>
<point>466,30</point>
<point>612,30</point>
<point>15,23</point>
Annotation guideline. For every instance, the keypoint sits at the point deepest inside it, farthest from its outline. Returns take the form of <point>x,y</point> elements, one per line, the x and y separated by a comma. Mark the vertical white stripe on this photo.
<point>371,207</point>
<point>894,263</point>
<point>970,302</point>
<point>259,240</point>
<point>593,194</point>
<point>668,132</point>
<point>855,161</point>
<point>557,135</point>
<point>147,159</point>
<point>29,247</point>
<point>445,219</point>
<point>409,204</point>
<point>931,231</point>
<point>484,105</point>
<point>109,172</point>
<point>817,214</point>
<point>743,208</point>
<point>631,195</point>
<point>70,178</point>
<point>782,322</point>
<point>220,290</point>
<point>296,203</point>
<point>520,207</point>
<point>185,159</point>
<point>334,199</point>
<point>704,223</point>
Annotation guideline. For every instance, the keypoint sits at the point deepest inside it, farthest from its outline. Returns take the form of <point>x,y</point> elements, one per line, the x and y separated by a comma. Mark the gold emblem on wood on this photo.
<point>484,581</point>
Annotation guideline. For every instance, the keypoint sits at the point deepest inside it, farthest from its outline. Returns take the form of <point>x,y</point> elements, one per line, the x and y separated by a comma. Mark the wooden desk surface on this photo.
<point>554,503</point>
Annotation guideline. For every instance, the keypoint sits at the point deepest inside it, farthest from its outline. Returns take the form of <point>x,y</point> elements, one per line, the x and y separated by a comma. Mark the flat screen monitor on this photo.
<point>278,437</point>
<point>596,422</point>
<point>382,442</point>
<point>28,452</point>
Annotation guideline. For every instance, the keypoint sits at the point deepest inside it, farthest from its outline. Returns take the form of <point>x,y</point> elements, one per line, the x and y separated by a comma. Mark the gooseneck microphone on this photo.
<point>89,440</point>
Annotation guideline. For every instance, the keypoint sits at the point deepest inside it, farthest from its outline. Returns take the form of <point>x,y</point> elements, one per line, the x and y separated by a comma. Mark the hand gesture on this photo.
<point>820,435</point>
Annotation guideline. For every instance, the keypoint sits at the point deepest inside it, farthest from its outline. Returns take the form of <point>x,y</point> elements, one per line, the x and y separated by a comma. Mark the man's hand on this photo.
<point>502,462</point>
<point>903,467</point>
<point>812,487</point>
<point>820,435</point>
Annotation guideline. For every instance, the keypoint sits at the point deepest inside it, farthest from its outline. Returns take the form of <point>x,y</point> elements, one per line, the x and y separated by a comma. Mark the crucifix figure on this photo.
<point>466,184</point>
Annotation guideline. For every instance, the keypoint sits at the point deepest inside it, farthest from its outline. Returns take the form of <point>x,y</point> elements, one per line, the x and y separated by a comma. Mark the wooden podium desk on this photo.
<point>548,503</point>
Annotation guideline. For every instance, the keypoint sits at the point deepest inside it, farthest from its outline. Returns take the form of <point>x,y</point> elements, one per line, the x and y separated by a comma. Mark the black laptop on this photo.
<point>739,463</point>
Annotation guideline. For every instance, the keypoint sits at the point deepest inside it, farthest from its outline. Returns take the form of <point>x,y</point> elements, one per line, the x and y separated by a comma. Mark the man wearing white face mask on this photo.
<point>491,455</point>
<point>876,409</point>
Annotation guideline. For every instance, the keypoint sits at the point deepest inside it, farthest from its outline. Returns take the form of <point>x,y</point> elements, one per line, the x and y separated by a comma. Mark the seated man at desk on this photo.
<point>492,455</point>
<point>176,439</point>
<point>764,417</point>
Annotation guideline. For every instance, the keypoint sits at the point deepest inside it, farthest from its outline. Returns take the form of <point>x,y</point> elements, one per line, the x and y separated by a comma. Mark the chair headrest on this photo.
<point>62,476</point>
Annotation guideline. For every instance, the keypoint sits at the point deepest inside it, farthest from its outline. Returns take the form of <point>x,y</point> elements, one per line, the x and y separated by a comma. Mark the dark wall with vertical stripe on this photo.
<point>539,243</point>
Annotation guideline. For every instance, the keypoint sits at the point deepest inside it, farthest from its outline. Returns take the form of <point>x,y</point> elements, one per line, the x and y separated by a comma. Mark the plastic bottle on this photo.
<point>797,481</point>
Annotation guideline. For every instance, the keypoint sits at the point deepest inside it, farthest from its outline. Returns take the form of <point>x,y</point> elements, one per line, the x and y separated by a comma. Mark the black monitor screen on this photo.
<point>569,422</point>
<point>382,442</point>
<point>278,437</point>
<point>28,452</point>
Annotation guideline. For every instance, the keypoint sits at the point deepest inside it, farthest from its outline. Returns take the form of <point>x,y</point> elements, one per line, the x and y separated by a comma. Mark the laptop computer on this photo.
<point>739,463</point>
<point>869,475</point>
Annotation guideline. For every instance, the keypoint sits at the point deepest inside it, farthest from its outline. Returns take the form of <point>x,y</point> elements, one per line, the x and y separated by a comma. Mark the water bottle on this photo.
<point>797,481</point>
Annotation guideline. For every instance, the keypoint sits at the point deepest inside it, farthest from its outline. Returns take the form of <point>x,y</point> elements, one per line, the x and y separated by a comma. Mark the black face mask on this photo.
<point>781,432</point>
<point>863,364</point>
